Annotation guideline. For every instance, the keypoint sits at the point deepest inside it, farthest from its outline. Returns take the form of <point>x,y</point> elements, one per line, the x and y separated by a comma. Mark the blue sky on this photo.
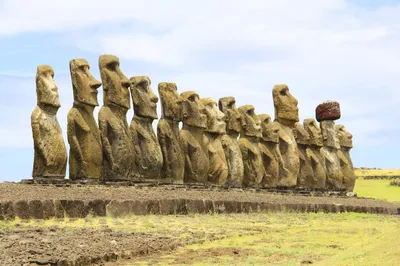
<point>324,50</point>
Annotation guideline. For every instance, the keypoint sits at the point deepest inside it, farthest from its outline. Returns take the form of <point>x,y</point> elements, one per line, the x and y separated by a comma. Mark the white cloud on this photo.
<point>321,49</point>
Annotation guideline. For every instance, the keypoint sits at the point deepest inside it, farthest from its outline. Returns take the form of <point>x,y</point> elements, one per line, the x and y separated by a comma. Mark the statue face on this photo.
<point>345,138</point>
<point>83,83</point>
<point>302,136</point>
<point>329,134</point>
<point>193,110</point>
<point>270,129</point>
<point>171,101</point>
<point>115,84</point>
<point>143,98</point>
<point>232,116</point>
<point>215,118</point>
<point>311,126</point>
<point>250,121</point>
<point>46,88</point>
<point>286,110</point>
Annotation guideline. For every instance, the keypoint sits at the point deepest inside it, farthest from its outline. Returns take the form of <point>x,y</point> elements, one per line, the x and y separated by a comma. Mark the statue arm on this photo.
<point>136,146</point>
<point>162,140</point>
<point>107,150</point>
<point>38,141</point>
<point>73,141</point>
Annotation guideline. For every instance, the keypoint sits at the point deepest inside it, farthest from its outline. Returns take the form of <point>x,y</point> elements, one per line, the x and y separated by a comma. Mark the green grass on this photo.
<point>293,239</point>
<point>377,189</point>
<point>377,172</point>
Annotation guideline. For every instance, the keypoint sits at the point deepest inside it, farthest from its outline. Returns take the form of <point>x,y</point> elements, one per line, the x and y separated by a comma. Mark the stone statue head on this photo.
<point>84,84</point>
<point>286,110</point>
<point>143,98</point>
<point>311,126</point>
<point>115,84</point>
<point>215,118</point>
<point>46,88</point>
<point>270,129</point>
<point>301,135</point>
<point>345,138</point>
<point>250,122</point>
<point>329,134</point>
<point>193,110</point>
<point>171,101</point>
<point>232,115</point>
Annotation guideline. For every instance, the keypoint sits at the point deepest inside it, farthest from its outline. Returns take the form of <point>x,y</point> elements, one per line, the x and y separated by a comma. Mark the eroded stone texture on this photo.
<point>148,155</point>
<point>249,146</point>
<point>216,128</point>
<point>287,114</point>
<point>86,154</point>
<point>329,110</point>
<point>230,142</point>
<point>194,142</point>
<point>346,164</point>
<point>50,158</point>
<point>168,133</point>
<point>317,160</point>
<point>269,147</point>
<point>334,175</point>
<point>306,174</point>
<point>118,161</point>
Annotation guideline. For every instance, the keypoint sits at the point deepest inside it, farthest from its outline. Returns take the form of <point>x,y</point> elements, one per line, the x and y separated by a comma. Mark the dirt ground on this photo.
<point>82,246</point>
<point>15,191</point>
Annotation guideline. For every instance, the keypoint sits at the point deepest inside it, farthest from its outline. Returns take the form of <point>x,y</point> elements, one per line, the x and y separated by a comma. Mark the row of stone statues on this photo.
<point>218,143</point>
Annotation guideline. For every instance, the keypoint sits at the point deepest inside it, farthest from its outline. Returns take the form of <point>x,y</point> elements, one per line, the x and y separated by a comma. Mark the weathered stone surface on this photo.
<point>230,142</point>
<point>148,155</point>
<point>286,114</point>
<point>346,164</point>
<point>305,178</point>
<point>86,154</point>
<point>269,147</point>
<point>317,160</point>
<point>168,133</point>
<point>249,146</point>
<point>114,130</point>
<point>21,209</point>
<point>218,171</point>
<point>7,210</point>
<point>196,206</point>
<point>329,110</point>
<point>334,175</point>
<point>194,143</point>
<point>50,159</point>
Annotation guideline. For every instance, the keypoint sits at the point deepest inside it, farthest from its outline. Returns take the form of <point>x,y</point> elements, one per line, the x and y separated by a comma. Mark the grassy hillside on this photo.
<point>377,172</point>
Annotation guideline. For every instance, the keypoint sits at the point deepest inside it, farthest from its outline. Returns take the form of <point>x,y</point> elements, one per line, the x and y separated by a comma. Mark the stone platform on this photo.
<point>40,201</point>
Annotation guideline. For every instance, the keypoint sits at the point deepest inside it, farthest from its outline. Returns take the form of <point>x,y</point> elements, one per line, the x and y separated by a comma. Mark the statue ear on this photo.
<point>324,133</point>
<point>184,109</point>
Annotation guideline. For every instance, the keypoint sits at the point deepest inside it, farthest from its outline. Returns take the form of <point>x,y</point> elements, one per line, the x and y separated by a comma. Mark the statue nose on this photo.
<point>125,83</point>
<point>95,84</point>
<point>154,98</point>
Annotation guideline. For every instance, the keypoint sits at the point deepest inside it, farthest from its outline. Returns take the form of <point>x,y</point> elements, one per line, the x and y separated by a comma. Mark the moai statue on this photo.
<point>50,159</point>
<point>269,147</point>
<point>346,144</point>
<point>230,143</point>
<point>148,155</point>
<point>86,154</point>
<point>317,159</point>
<point>326,114</point>
<point>305,178</point>
<point>216,128</point>
<point>287,114</point>
<point>194,143</point>
<point>118,161</point>
<point>249,146</point>
<point>168,133</point>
